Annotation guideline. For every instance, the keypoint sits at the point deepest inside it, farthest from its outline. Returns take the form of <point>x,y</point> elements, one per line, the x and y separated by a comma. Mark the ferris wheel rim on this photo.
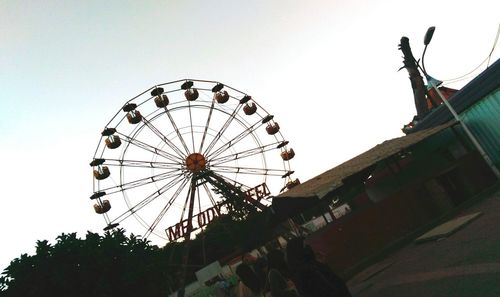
<point>211,152</point>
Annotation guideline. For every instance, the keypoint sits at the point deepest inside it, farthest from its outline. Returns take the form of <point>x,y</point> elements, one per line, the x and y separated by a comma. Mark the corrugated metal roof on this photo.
<point>485,83</point>
<point>483,119</point>
<point>333,178</point>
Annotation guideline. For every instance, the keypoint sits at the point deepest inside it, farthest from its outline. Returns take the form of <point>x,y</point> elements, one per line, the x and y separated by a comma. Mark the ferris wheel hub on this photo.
<point>196,162</point>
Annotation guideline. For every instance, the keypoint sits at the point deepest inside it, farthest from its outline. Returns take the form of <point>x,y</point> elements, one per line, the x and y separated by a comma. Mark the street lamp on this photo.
<point>433,83</point>
<point>427,40</point>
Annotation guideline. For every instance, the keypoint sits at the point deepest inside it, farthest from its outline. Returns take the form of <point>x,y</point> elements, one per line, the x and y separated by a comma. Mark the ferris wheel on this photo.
<point>182,153</point>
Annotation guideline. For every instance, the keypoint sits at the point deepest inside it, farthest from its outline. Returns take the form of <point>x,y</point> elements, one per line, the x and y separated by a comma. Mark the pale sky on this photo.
<point>327,70</point>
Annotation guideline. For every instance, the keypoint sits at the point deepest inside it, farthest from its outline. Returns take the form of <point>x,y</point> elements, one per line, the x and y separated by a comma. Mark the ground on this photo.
<point>465,263</point>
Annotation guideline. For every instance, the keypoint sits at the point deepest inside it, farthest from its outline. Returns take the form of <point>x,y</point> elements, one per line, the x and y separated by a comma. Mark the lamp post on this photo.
<point>432,82</point>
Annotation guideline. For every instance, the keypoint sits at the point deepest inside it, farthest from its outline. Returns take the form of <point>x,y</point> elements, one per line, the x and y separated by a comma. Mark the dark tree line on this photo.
<point>114,264</point>
<point>108,265</point>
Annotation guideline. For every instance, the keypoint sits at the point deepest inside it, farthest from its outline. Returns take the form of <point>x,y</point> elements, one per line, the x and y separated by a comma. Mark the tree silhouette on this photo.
<point>108,265</point>
<point>116,265</point>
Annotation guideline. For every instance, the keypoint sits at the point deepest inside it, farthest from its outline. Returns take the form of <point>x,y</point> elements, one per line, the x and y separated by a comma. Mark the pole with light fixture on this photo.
<point>433,83</point>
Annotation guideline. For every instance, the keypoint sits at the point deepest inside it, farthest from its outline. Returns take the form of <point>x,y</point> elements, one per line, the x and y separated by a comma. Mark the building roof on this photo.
<point>334,178</point>
<point>478,88</point>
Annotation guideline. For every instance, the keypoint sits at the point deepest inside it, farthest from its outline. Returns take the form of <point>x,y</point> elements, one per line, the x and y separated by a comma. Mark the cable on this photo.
<point>487,59</point>
<point>494,45</point>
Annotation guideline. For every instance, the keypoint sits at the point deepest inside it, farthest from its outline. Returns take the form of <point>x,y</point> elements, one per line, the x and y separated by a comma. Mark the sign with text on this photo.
<point>204,218</point>
<point>201,220</point>
<point>258,193</point>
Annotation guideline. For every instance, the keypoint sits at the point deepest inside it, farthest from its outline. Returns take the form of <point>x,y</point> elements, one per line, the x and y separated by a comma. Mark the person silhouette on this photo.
<point>311,277</point>
<point>278,275</point>
<point>250,285</point>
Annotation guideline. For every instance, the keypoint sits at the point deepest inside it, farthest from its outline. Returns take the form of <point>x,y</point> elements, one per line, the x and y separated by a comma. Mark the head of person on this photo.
<point>276,260</point>
<point>309,254</point>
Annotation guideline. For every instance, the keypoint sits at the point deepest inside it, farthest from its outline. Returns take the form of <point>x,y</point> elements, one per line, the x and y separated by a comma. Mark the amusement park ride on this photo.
<point>182,153</point>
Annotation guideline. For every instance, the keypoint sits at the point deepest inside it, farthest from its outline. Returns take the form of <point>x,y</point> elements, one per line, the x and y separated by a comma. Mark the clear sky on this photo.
<point>327,70</point>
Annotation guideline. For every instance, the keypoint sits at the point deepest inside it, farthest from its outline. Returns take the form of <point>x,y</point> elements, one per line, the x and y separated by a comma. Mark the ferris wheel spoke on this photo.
<point>209,194</point>
<point>199,199</point>
<point>191,124</point>
<point>235,140</point>
<point>150,148</point>
<point>143,164</point>
<point>163,137</point>
<point>165,208</point>
<point>143,181</point>
<point>222,130</point>
<point>192,195</point>
<point>147,200</point>
<point>207,124</point>
<point>185,204</point>
<point>244,154</point>
<point>174,125</point>
<point>248,170</point>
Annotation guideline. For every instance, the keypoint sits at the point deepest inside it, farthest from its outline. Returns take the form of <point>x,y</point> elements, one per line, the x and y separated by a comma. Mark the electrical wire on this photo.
<point>487,59</point>
<point>494,45</point>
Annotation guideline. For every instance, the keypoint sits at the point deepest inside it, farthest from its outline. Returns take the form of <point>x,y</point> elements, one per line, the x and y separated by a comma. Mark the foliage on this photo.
<point>109,265</point>
<point>116,265</point>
